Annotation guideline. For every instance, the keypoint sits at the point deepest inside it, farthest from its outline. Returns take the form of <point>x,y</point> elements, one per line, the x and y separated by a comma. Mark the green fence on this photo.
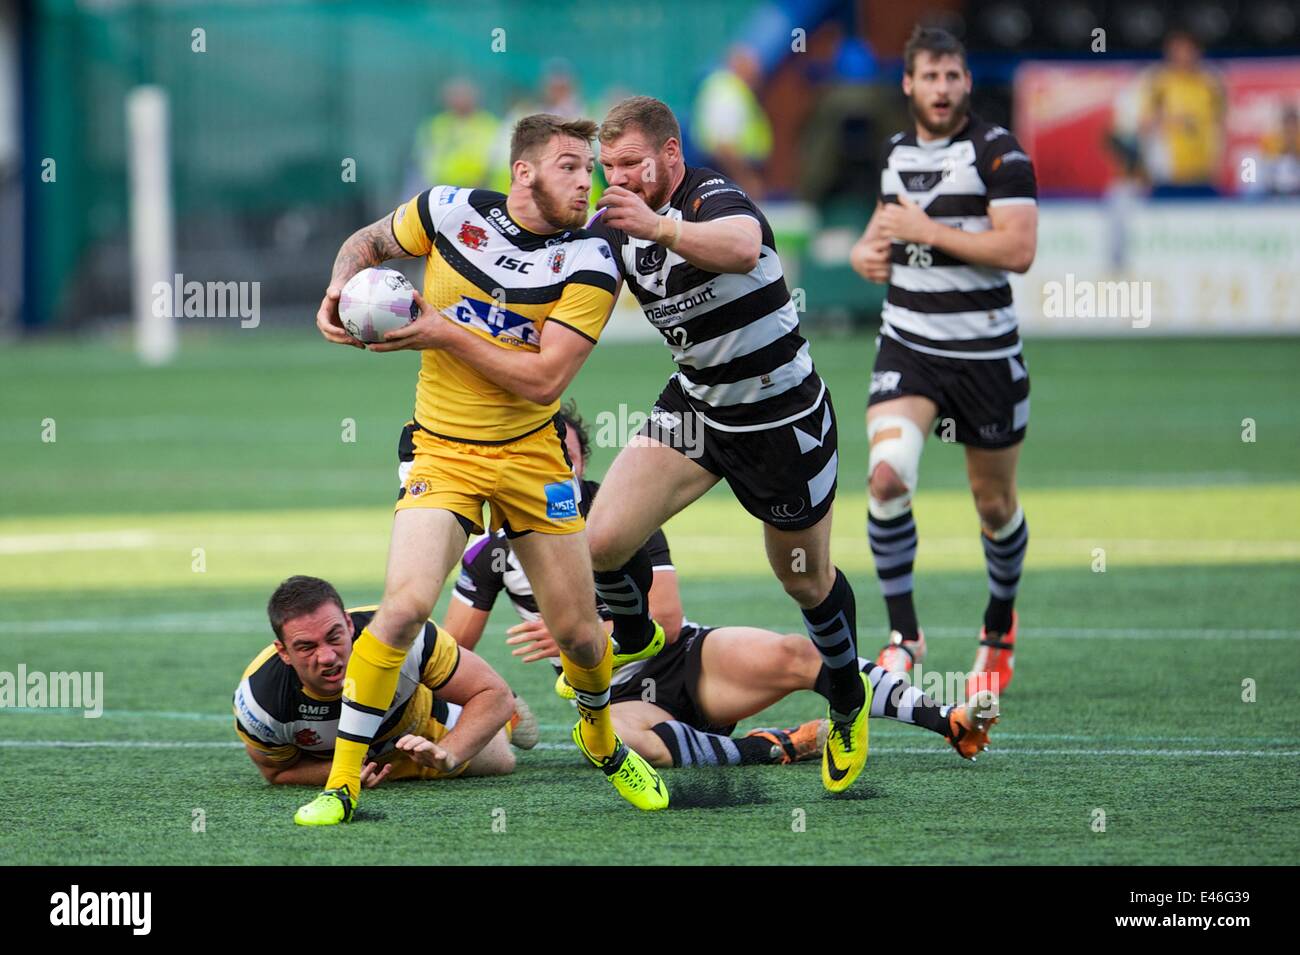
<point>282,93</point>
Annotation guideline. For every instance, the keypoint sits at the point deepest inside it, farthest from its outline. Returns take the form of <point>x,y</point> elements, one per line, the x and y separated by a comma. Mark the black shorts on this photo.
<point>785,476</point>
<point>983,402</point>
<point>674,676</point>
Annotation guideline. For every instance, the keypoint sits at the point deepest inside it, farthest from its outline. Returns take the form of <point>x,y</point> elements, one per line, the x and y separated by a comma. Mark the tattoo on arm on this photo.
<point>369,246</point>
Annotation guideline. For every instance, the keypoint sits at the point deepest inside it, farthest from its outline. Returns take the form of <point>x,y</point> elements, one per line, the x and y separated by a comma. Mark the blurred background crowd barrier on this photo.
<point>1164,135</point>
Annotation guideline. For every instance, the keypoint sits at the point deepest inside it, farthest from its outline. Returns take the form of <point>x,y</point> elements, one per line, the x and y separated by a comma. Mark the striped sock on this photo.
<point>1004,555</point>
<point>624,592</point>
<point>893,545</point>
<point>894,698</point>
<point>692,747</point>
<point>591,687</point>
<point>370,684</point>
<point>833,626</point>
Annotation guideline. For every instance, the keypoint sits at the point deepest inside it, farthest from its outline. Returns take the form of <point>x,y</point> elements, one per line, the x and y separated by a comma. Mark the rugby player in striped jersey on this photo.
<point>958,211</point>
<point>745,404</point>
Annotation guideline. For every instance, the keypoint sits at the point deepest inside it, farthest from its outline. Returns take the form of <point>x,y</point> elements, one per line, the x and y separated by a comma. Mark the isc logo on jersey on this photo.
<point>493,318</point>
<point>561,501</point>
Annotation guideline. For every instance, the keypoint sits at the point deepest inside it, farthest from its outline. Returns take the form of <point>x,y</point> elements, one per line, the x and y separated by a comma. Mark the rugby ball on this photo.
<point>376,301</point>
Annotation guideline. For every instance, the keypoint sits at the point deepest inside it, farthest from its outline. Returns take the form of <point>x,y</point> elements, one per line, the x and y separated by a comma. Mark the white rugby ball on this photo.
<point>376,301</point>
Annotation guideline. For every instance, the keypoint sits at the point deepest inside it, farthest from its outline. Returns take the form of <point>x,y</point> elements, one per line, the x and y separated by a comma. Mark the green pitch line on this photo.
<point>1118,528</point>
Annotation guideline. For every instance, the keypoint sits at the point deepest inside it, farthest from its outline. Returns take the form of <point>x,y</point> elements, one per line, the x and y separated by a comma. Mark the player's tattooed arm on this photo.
<point>372,245</point>
<point>369,246</point>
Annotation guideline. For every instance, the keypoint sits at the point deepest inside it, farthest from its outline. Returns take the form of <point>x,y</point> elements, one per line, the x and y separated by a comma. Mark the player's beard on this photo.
<point>556,209</point>
<point>960,107</point>
<point>655,192</point>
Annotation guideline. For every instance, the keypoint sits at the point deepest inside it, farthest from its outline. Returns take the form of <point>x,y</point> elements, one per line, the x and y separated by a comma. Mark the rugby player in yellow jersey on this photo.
<point>516,293</point>
<point>445,719</point>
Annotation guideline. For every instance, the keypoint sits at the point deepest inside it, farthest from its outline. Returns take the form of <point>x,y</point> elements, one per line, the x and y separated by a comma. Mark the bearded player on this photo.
<point>745,405</point>
<point>958,211</point>
<point>516,293</point>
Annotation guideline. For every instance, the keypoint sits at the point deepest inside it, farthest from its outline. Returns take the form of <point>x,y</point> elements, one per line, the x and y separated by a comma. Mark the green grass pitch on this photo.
<point>1131,697</point>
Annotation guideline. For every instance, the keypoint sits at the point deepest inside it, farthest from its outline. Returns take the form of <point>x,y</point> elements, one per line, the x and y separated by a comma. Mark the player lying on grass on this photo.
<point>679,708</point>
<point>445,721</point>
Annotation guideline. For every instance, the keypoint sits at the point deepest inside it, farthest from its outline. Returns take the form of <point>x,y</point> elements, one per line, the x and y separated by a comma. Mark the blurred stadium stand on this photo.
<point>286,91</point>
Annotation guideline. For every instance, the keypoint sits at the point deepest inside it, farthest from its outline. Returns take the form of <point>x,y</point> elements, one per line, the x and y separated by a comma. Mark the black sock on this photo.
<point>893,546</point>
<point>1004,560</point>
<point>626,592</point>
<point>691,747</point>
<point>833,626</point>
<point>894,698</point>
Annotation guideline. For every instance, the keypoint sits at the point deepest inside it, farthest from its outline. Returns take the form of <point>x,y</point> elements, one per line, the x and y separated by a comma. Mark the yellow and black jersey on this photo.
<point>277,716</point>
<point>492,277</point>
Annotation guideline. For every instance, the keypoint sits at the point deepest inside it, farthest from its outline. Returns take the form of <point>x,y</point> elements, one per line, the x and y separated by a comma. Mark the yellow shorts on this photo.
<point>528,484</point>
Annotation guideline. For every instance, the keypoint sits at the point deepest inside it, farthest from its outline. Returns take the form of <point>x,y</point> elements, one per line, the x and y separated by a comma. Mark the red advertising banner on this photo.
<point>1068,113</point>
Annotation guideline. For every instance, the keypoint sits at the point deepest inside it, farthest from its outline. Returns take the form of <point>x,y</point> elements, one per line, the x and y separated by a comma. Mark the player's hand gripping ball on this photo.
<point>376,301</point>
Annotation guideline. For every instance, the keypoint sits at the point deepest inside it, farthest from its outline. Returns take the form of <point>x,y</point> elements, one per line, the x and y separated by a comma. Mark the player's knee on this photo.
<point>576,634</point>
<point>504,763</point>
<point>799,659</point>
<point>404,611</point>
<point>885,484</point>
<point>894,464</point>
<point>601,543</point>
<point>996,506</point>
<point>807,590</point>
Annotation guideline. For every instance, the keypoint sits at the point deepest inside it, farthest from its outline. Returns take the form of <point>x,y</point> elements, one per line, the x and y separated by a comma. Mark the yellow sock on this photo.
<point>597,726</point>
<point>370,682</point>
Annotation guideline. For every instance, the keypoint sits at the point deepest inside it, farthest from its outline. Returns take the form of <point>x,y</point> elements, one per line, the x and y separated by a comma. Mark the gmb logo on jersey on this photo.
<point>561,502</point>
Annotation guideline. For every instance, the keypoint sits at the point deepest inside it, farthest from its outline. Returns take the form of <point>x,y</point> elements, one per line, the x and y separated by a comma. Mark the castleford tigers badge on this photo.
<point>472,236</point>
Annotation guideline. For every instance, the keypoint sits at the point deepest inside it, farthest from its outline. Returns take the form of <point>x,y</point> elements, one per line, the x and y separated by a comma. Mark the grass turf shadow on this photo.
<point>717,790</point>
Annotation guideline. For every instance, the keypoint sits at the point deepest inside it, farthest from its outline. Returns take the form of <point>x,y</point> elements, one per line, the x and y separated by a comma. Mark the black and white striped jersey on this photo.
<point>939,304</point>
<point>741,361</point>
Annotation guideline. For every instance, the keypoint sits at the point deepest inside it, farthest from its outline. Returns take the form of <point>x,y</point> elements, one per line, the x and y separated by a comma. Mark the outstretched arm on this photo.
<point>486,705</point>
<point>308,770</point>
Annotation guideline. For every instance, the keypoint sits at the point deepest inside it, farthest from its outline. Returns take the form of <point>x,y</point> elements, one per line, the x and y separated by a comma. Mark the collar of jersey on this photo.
<point>306,691</point>
<point>681,188</point>
<point>526,233</point>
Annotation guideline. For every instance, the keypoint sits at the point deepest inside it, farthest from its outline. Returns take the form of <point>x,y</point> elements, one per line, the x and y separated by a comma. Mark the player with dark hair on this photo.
<point>516,293</point>
<point>745,404</point>
<point>444,721</point>
<point>680,707</point>
<point>957,212</point>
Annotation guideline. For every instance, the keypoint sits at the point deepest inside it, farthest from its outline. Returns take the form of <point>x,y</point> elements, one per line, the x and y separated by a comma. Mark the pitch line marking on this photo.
<point>890,750</point>
<point>565,728</point>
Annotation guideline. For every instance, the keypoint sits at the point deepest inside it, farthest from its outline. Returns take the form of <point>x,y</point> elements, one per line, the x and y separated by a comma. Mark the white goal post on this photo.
<point>152,249</point>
